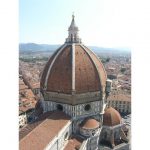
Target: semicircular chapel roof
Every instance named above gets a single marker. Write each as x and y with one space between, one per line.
90 123
111 117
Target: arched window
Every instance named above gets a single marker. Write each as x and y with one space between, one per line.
71 37
75 37
115 135
87 107
93 132
66 136
105 135
59 107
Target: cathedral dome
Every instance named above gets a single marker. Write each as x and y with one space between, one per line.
90 124
73 69
111 117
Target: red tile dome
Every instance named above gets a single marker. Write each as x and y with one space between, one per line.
111 117
73 68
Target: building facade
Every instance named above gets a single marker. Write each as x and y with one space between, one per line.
74 88
22 120
120 102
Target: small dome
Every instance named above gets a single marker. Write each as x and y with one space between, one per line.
111 117
90 124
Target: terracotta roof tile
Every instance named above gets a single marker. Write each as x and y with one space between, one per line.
27 129
86 76
90 124
60 78
22 87
74 143
90 75
45 70
35 85
42 134
119 97
100 66
111 117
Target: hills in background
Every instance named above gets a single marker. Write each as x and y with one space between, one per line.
33 47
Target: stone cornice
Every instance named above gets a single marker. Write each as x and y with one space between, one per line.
72 99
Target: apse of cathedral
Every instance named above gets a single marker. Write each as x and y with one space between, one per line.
73 113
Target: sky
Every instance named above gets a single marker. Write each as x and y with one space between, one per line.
104 23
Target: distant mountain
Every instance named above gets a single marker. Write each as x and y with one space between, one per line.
102 49
37 47
33 47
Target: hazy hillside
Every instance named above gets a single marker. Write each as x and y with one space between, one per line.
37 47
33 47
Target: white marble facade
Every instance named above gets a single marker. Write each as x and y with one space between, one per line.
76 111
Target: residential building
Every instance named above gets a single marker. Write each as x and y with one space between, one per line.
121 102
22 119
